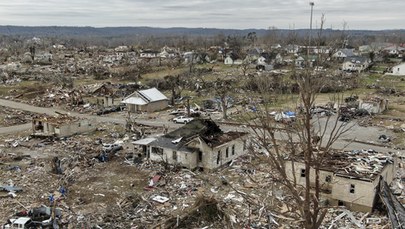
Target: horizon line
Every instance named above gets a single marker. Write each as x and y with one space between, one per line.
182 27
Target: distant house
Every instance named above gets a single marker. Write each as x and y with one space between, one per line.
107 95
343 53
189 57
232 59
167 54
198 144
229 60
60 126
355 64
301 61
122 48
348 179
321 50
397 70
263 64
292 49
254 53
270 58
394 50
148 53
148 100
374 105
112 58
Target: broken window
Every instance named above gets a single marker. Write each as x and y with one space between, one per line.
233 150
328 178
352 188
158 151
200 155
39 126
219 157
227 152
302 172
174 155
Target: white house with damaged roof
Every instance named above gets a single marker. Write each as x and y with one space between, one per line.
198 144
148 100
356 64
349 179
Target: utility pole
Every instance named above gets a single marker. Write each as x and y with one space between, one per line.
310 32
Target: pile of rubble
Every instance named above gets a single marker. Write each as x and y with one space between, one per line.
125 192
11 117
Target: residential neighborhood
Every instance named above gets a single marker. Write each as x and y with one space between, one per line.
163 125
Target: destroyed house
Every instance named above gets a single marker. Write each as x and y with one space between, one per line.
148 100
107 95
60 126
348 179
198 144
374 105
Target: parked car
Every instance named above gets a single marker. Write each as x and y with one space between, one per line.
182 119
112 147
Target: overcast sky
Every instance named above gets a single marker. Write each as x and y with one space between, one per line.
237 14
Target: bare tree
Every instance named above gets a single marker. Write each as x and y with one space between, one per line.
307 140
222 88
175 84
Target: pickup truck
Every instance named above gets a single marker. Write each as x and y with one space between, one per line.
182 119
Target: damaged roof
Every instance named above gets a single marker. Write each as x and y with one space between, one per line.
56 120
206 129
361 164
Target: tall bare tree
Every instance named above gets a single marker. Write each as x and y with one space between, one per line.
308 140
222 87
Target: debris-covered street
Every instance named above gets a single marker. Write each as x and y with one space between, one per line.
193 131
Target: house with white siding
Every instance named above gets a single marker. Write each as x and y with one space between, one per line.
397 70
198 144
355 64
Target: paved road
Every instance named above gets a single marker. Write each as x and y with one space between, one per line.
363 135
52 111
15 129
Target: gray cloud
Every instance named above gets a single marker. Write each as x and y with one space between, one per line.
359 14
